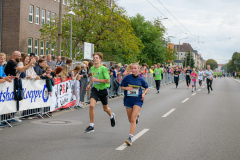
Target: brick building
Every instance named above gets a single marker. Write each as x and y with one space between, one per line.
21 21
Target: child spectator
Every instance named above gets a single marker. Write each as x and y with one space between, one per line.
76 91
49 76
39 69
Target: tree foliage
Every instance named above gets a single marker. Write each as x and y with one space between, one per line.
213 64
152 38
96 22
231 66
187 59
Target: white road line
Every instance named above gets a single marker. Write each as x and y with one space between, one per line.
193 94
165 115
185 100
199 90
124 145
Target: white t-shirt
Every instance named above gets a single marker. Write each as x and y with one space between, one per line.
209 74
200 75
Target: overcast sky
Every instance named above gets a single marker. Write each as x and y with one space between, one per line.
213 26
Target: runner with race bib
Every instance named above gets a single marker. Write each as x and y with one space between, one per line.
187 73
200 76
157 74
101 82
209 75
176 75
194 76
133 98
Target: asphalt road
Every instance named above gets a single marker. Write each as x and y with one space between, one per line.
171 127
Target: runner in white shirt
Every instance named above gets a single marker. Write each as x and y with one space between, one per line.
209 75
200 76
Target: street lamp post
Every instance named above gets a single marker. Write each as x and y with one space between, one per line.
179 49
72 14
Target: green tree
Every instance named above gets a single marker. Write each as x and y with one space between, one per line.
213 64
171 55
231 66
107 27
152 37
187 59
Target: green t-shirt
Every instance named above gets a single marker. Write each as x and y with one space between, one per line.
158 73
100 73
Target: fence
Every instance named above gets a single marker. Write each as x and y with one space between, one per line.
38 102
167 78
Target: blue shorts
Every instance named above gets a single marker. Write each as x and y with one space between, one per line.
129 102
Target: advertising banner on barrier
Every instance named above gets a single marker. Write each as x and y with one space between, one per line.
62 96
35 94
7 103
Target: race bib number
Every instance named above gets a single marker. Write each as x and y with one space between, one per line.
200 77
176 75
133 93
157 73
188 74
96 82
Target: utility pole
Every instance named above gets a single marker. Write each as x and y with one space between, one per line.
60 28
190 58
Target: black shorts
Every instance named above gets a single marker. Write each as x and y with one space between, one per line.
101 95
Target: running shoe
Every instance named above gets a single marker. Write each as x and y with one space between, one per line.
187 87
208 92
211 89
195 89
113 120
137 120
192 90
89 129
129 141
157 91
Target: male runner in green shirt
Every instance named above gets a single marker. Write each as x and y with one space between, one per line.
101 81
157 74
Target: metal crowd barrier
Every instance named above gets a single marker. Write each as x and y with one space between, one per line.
166 79
14 117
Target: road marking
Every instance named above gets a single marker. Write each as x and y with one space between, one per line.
193 94
185 100
165 115
199 90
124 145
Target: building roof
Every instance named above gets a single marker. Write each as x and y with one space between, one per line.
185 47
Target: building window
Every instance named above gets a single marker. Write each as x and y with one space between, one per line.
36 47
68 2
64 2
37 16
42 48
29 45
43 17
53 49
48 17
31 14
47 48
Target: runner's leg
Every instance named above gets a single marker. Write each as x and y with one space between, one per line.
107 109
91 109
133 118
